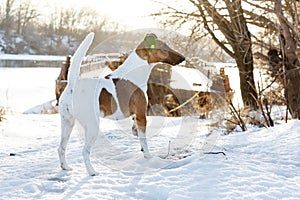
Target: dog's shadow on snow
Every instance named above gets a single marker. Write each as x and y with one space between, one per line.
61 182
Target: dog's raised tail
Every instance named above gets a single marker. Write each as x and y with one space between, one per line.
77 58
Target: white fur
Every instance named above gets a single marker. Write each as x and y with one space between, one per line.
136 70
79 101
66 100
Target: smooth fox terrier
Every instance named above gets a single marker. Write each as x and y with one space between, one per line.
121 94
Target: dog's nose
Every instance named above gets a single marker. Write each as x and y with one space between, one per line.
180 58
174 58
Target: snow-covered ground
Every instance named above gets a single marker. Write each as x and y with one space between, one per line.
259 164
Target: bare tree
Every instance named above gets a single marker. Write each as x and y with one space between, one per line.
7 19
77 22
224 21
281 20
289 40
25 14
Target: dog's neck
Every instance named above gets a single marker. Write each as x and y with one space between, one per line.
135 69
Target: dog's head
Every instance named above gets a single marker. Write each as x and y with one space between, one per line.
154 50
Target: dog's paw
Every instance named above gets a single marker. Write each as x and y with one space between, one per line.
94 173
66 167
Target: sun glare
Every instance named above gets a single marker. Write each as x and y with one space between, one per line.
130 13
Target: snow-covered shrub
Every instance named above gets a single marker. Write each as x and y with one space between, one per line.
243 117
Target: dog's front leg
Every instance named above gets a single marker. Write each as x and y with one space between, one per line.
134 128
141 129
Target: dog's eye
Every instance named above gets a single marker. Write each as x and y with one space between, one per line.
165 48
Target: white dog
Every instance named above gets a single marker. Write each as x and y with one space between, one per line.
121 94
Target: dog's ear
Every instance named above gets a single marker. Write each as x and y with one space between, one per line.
150 41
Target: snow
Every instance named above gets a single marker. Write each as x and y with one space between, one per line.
259 164
32 57
24 88
194 77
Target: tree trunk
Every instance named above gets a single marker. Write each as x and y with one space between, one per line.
293 92
247 84
237 34
244 55
8 14
242 46
291 63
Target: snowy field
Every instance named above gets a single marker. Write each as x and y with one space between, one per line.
259 164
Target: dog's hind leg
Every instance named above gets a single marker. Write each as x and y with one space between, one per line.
91 135
66 129
141 122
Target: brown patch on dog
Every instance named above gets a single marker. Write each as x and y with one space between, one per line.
132 101
107 103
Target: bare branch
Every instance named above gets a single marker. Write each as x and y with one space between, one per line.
261 21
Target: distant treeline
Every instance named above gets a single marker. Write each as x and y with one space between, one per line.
23 31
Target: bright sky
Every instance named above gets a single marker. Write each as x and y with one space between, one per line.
132 13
